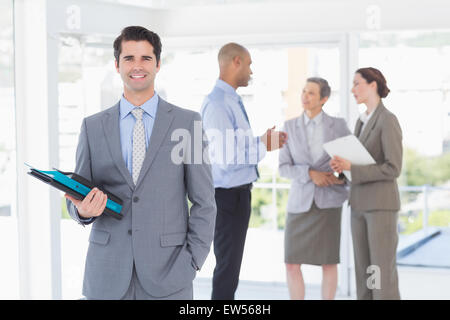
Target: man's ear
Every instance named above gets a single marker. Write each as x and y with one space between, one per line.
237 61
116 63
323 100
158 65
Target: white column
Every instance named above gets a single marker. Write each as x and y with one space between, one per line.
38 207
349 63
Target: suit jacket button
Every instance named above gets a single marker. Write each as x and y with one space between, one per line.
130 232
135 199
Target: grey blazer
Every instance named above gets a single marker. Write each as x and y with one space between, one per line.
166 241
295 161
374 187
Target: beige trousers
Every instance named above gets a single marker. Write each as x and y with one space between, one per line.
375 240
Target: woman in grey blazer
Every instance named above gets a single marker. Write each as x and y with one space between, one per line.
313 224
374 195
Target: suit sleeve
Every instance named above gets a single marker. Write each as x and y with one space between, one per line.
391 140
288 168
82 168
200 191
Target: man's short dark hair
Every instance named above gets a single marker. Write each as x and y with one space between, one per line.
137 33
325 90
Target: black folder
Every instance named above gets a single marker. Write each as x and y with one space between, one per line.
78 187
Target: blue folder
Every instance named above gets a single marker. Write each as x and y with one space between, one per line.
78 187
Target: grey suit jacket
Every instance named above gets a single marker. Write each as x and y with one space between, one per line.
166 241
295 161
374 187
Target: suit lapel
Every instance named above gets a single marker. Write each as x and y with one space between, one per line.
371 123
163 120
328 125
358 127
111 129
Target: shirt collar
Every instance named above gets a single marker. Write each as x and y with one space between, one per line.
364 117
227 88
317 119
150 106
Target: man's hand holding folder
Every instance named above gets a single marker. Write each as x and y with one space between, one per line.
92 205
89 200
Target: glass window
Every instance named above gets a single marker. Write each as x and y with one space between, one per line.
273 96
9 288
414 66
88 83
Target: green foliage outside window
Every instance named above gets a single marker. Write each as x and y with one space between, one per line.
417 170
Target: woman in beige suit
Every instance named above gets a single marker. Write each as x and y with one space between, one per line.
374 195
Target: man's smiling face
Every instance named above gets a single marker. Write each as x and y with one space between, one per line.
137 66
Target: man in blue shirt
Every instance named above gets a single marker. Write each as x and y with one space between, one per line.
235 154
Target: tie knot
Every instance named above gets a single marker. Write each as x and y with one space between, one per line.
137 113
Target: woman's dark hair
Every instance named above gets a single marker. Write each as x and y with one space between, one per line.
372 74
137 33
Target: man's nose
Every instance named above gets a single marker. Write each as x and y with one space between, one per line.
137 68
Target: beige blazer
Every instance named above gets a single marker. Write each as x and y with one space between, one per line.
374 187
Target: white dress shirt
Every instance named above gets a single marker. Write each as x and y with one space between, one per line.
364 117
314 132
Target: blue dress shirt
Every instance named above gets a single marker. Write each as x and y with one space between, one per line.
234 152
126 125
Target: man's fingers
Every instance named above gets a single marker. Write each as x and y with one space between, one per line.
282 137
76 202
103 203
100 204
90 195
67 196
98 200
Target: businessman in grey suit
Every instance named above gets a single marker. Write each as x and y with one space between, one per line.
156 249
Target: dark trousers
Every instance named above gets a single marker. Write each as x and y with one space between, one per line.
233 215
